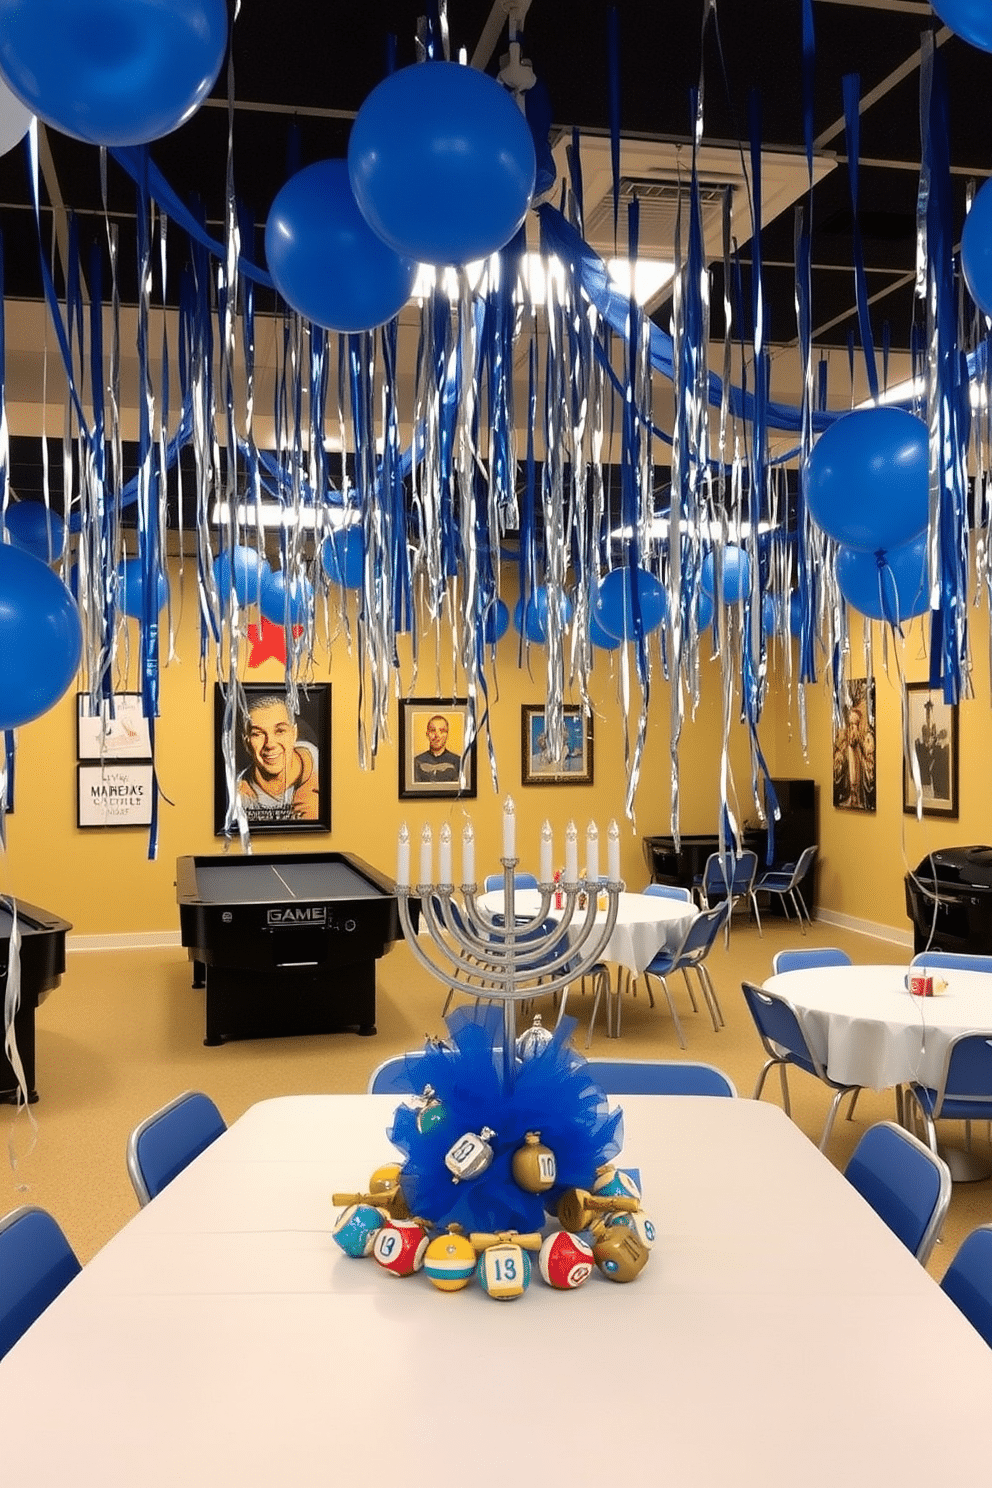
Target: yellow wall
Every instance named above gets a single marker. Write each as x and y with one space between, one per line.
102 881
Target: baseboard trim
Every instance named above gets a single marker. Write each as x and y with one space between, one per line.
866 927
136 940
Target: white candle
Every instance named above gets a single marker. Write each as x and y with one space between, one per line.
403 858
571 853
592 853
468 853
426 855
509 829
444 855
613 852
547 853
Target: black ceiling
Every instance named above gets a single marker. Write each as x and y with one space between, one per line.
310 66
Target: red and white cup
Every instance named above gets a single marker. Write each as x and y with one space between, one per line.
920 984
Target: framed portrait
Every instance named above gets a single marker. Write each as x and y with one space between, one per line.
434 760
854 748
536 765
282 761
114 793
932 735
112 732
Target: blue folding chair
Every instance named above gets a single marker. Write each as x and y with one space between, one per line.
36 1264
783 1039
951 961
785 883
968 1280
660 1077
668 891
167 1141
907 1185
712 884
802 959
520 880
963 1093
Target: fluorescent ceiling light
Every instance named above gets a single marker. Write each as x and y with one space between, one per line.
650 277
274 515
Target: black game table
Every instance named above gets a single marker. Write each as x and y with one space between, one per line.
285 943
42 965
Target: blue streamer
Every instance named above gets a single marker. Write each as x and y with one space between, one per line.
852 120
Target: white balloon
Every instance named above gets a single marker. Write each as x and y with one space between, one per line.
15 118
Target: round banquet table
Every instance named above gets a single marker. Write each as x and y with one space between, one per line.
867 1028
646 923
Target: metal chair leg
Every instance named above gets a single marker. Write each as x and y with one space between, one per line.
712 1001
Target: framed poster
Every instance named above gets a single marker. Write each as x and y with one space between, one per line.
282 760
932 735
114 793
124 735
434 760
854 748
536 765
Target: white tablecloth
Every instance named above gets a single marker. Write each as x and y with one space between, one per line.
868 1029
221 1340
646 923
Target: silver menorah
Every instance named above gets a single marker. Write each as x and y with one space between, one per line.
510 958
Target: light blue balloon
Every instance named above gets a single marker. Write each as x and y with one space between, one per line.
243 567
736 574
274 598
131 589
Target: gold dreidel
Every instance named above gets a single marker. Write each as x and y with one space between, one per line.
577 1208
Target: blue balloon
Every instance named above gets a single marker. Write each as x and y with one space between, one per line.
112 72
704 613
969 19
601 637
533 624
976 249
343 557
131 588
613 603
496 623
32 526
867 480
891 586
325 259
41 639
244 573
442 163
274 598
736 574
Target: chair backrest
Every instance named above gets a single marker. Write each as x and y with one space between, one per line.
804 862
395 1076
743 868
668 891
168 1140
700 937
520 880
951 961
36 1263
779 1027
801 959
967 1072
907 1185
660 1077
968 1280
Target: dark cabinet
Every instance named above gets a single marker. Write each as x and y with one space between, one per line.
797 829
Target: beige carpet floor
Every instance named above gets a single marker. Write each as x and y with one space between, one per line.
124 1033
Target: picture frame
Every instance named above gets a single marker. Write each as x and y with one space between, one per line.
434 763
123 736
282 764
854 772
932 733
576 766
114 793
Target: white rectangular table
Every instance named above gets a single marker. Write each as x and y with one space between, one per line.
221 1340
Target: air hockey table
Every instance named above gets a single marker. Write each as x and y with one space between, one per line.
42 964
286 943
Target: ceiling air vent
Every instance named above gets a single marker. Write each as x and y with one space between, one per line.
659 202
